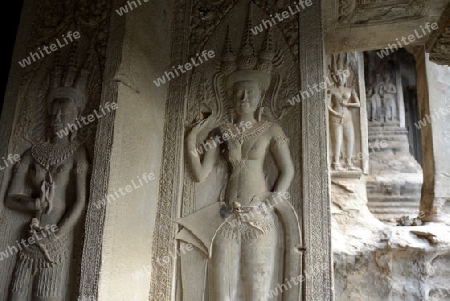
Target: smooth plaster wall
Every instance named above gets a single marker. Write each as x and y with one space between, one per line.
137 149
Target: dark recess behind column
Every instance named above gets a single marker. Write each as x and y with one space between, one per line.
408 72
10 24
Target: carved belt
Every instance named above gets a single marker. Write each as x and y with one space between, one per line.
49 254
239 209
338 120
241 228
248 222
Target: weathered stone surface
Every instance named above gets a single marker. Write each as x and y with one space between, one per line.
352 25
433 88
394 185
379 262
55 167
395 180
439 43
201 27
127 247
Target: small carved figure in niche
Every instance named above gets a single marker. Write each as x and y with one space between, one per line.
388 91
374 101
50 184
340 100
242 240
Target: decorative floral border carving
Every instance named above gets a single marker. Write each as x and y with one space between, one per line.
379 11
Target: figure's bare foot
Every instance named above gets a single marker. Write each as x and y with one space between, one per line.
337 167
351 167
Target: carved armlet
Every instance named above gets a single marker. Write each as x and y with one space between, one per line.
19 187
279 140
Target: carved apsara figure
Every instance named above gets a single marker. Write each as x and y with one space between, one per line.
248 251
50 184
245 230
374 107
340 100
389 91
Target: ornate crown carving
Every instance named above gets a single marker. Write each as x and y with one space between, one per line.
248 65
69 82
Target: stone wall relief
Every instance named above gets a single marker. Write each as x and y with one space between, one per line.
374 107
48 191
50 184
253 237
381 92
388 92
379 11
382 104
343 106
202 26
441 50
439 42
207 15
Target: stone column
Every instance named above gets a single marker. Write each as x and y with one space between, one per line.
433 89
364 132
122 231
316 178
400 99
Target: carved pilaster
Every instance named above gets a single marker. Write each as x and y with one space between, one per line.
161 286
315 174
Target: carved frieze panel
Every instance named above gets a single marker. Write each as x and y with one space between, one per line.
379 11
439 47
207 15
440 54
